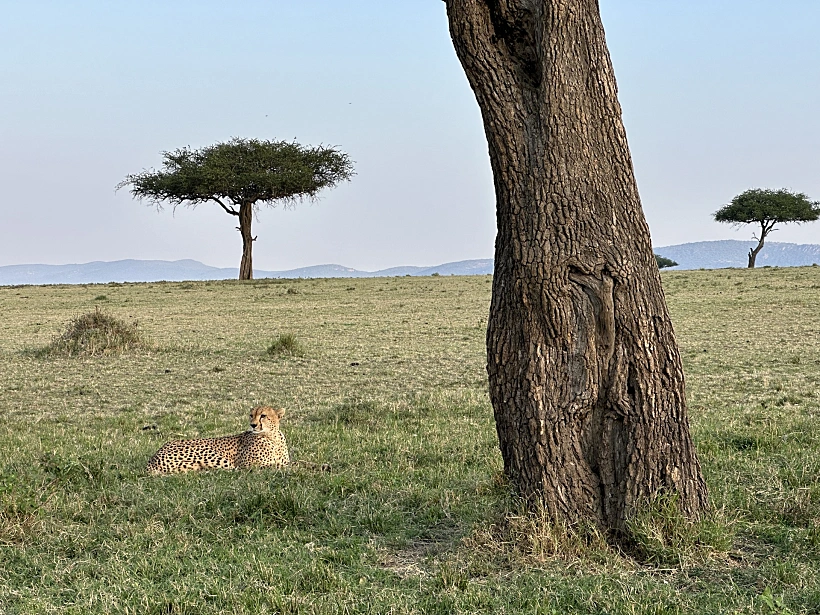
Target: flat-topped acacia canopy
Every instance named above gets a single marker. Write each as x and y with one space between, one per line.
767 208
240 175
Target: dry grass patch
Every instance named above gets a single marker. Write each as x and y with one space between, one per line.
531 537
286 344
95 333
658 534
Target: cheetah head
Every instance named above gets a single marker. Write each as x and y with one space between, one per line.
265 418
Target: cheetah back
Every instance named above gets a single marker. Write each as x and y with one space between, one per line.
199 454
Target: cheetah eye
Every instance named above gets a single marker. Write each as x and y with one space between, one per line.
264 416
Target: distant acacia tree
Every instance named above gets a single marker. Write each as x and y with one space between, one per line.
664 262
767 208
239 176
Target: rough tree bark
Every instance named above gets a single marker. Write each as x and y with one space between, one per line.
585 375
245 221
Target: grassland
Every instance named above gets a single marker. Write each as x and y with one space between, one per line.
388 388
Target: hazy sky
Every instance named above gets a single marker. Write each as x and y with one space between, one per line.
718 97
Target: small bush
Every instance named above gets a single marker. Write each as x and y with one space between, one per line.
95 333
286 344
664 262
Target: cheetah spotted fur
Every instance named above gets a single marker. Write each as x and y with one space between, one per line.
262 445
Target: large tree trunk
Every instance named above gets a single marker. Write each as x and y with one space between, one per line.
765 227
245 221
753 254
585 375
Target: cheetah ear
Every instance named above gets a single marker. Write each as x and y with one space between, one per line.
280 412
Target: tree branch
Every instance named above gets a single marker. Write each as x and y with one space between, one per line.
771 227
230 210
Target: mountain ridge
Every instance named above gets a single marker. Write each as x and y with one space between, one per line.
133 270
693 255
735 253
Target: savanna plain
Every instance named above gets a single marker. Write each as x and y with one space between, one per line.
396 502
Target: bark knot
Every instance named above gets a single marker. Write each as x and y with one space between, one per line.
514 25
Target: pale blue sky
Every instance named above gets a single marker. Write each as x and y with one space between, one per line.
718 97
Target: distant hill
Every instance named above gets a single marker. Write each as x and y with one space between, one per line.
732 253
697 255
101 272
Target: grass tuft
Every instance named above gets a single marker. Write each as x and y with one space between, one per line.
286 344
531 536
95 333
659 534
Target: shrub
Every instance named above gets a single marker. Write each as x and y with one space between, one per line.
95 333
664 262
286 344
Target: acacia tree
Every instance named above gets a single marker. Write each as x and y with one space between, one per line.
585 374
239 176
767 208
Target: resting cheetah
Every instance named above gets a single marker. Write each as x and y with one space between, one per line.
262 445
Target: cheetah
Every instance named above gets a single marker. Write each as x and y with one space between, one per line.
262 445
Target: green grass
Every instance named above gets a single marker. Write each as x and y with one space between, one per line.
414 516
286 344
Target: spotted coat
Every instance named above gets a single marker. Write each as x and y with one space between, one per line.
263 445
